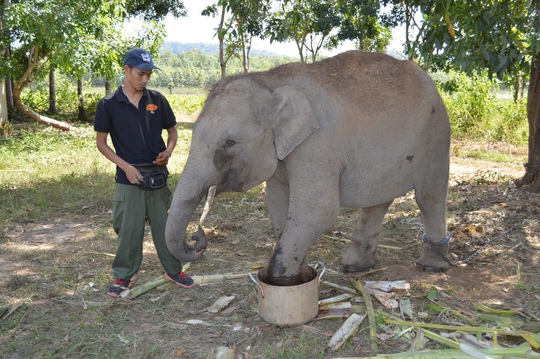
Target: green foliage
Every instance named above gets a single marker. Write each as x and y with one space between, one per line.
308 23
189 104
478 111
360 22
156 9
498 36
469 103
510 124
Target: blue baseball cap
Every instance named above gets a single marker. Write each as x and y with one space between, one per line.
139 59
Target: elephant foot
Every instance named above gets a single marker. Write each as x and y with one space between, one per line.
359 259
352 268
433 259
286 281
306 275
430 269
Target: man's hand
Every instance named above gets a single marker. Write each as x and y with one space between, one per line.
162 159
133 175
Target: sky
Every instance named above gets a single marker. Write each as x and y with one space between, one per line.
197 28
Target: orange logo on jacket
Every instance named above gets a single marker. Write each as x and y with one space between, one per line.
151 107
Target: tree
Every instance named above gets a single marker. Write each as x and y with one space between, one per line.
306 22
240 21
49 32
500 36
75 37
155 9
360 23
247 22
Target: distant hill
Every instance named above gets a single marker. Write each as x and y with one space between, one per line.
205 48
179 48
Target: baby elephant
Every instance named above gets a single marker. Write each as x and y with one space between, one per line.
356 130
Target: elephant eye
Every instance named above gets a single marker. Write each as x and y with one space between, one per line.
229 143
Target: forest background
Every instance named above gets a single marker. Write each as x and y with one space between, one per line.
44 39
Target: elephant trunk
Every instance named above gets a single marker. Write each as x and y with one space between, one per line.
175 231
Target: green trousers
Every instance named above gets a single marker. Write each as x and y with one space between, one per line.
132 207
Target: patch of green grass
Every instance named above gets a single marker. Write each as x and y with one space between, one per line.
49 173
491 156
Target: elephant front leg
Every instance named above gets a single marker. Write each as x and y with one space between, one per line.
306 222
277 199
288 263
362 252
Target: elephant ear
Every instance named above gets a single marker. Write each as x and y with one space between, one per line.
294 121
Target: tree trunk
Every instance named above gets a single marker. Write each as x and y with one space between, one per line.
9 92
3 109
107 87
6 91
221 38
52 93
407 29
9 97
82 112
532 168
517 83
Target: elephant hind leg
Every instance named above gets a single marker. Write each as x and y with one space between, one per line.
362 252
432 204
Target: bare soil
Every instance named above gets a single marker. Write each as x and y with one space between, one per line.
60 270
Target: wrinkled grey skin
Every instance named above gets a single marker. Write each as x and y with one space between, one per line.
356 130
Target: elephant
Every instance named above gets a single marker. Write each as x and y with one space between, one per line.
355 130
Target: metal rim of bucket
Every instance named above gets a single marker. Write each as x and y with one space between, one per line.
256 281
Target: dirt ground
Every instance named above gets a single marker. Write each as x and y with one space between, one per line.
66 263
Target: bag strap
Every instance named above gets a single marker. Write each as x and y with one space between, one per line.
147 124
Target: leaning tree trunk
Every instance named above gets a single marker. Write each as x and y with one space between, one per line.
17 90
532 168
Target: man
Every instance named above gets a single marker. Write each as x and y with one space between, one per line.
135 118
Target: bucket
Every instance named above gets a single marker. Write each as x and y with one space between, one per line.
289 305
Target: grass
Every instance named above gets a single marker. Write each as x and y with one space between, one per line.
56 189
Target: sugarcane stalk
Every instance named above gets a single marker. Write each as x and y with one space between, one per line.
143 288
438 338
345 332
198 279
453 327
341 287
336 299
517 352
211 278
532 338
370 313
